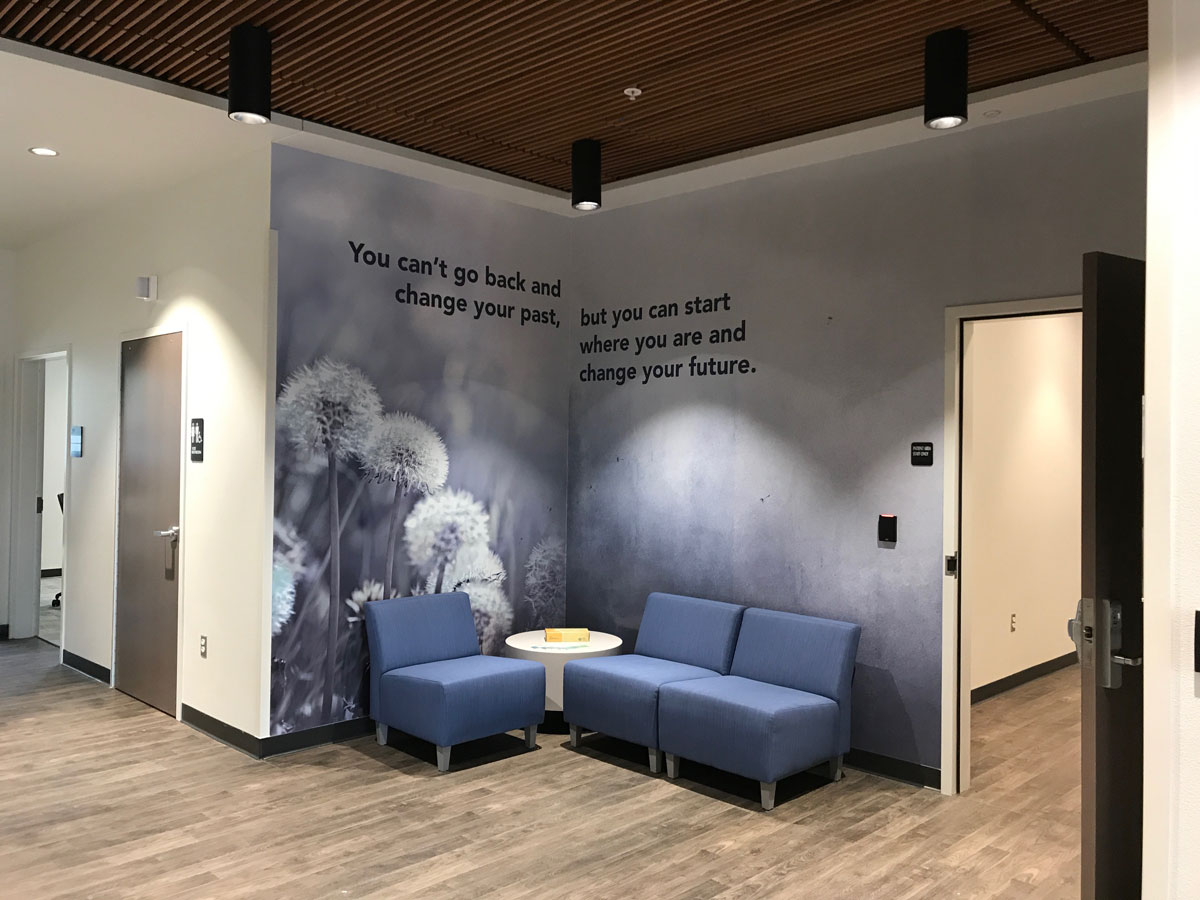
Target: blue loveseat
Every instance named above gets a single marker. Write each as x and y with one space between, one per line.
760 693
428 678
681 638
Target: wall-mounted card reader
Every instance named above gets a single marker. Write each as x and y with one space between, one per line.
887 529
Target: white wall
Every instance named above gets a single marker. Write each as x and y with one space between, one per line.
208 242
54 460
1021 451
1171 865
7 388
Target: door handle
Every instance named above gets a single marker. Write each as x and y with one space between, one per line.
172 533
1096 631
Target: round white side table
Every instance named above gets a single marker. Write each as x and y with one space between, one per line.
533 645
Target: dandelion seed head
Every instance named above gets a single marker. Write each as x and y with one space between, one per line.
329 407
493 613
408 451
441 524
475 563
546 580
283 595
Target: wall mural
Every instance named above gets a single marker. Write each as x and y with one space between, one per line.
820 293
420 428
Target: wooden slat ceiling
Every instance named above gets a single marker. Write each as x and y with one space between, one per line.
509 84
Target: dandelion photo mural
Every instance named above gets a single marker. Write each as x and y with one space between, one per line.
416 451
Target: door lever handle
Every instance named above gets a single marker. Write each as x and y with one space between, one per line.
172 533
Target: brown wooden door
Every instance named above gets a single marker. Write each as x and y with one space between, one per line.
147 621
1113 368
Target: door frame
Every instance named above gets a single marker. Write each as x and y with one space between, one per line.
956 644
182 330
21 362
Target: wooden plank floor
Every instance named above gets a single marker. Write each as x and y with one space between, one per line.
102 797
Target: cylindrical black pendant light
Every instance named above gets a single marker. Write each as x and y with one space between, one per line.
946 79
250 74
585 174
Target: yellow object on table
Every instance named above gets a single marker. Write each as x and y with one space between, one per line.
555 635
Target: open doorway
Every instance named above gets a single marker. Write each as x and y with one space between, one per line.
1012 522
37 586
54 492
1020 526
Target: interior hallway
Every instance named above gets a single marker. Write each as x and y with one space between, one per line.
49 615
106 798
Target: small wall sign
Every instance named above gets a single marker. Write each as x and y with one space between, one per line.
922 453
77 440
197 440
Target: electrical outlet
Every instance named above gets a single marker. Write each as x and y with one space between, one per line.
1012 623
204 646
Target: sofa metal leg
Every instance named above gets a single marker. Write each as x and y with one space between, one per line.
443 756
672 765
530 736
575 731
381 733
766 790
835 768
656 760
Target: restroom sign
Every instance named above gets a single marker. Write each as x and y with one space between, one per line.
197 440
922 453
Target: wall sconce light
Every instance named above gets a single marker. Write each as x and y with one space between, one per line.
585 174
250 74
946 79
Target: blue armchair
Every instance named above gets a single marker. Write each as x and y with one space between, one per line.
680 639
783 708
429 680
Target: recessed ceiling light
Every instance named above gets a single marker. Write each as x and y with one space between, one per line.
43 151
992 113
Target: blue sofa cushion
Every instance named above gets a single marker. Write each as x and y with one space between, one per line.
759 730
408 631
801 652
454 700
618 695
689 630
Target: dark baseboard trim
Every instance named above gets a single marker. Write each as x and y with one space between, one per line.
890 767
51 573
313 737
3 632
87 667
261 748
1025 675
226 734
